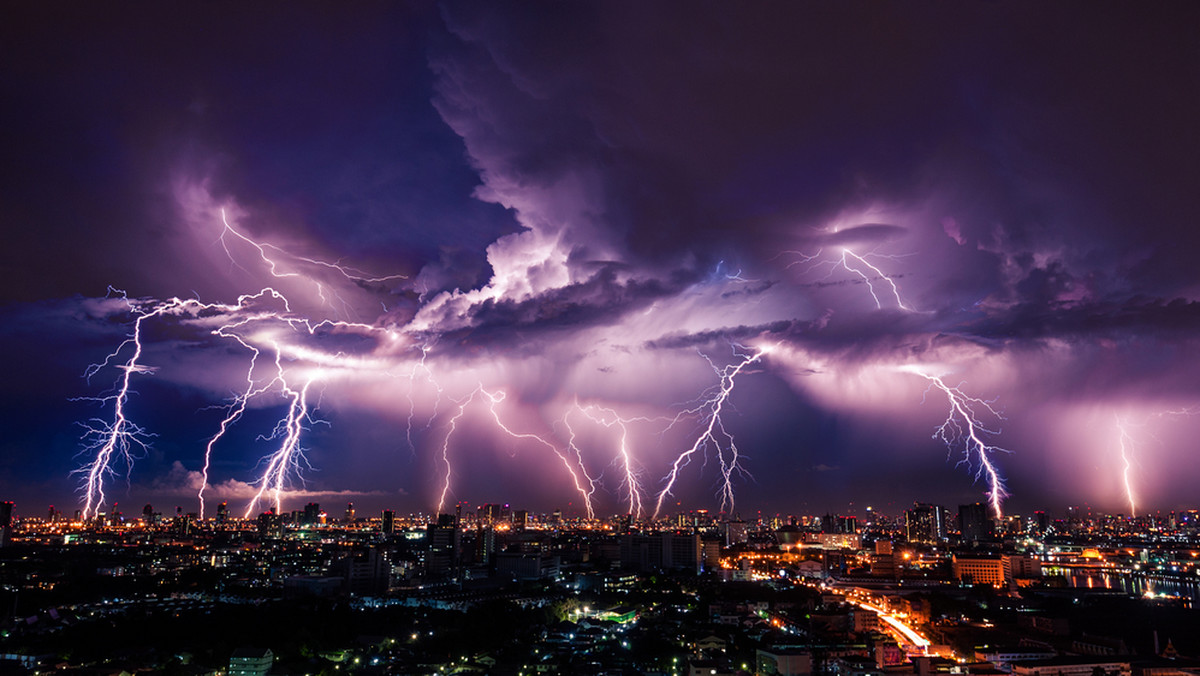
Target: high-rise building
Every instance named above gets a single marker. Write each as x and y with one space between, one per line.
312 514
664 551
349 513
366 572
485 544
736 533
270 525
223 513
925 523
490 514
441 559
520 520
389 522
1043 521
883 562
974 523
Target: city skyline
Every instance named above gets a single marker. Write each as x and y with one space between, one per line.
566 256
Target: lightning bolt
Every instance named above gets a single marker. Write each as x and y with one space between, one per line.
275 268
607 417
1126 446
871 287
419 367
115 440
111 441
118 438
713 433
965 426
860 261
289 456
575 470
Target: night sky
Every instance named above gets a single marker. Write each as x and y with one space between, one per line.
588 223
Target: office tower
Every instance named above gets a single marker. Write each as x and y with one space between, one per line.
441 559
974 523
925 523
312 514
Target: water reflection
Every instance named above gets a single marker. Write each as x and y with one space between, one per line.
1132 584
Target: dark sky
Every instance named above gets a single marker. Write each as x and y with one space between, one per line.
634 255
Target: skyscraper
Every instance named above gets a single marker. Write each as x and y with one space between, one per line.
443 539
312 514
974 523
925 523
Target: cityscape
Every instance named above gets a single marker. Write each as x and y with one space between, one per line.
667 337
495 590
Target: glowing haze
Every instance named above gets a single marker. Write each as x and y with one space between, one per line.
612 258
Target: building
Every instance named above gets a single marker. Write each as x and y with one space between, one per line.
883 561
441 559
1003 656
783 662
1072 666
981 569
312 586
389 522
312 514
925 523
6 510
251 662
366 572
736 533
1024 567
665 551
527 566
270 525
974 523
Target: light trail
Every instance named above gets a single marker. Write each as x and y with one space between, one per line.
895 623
